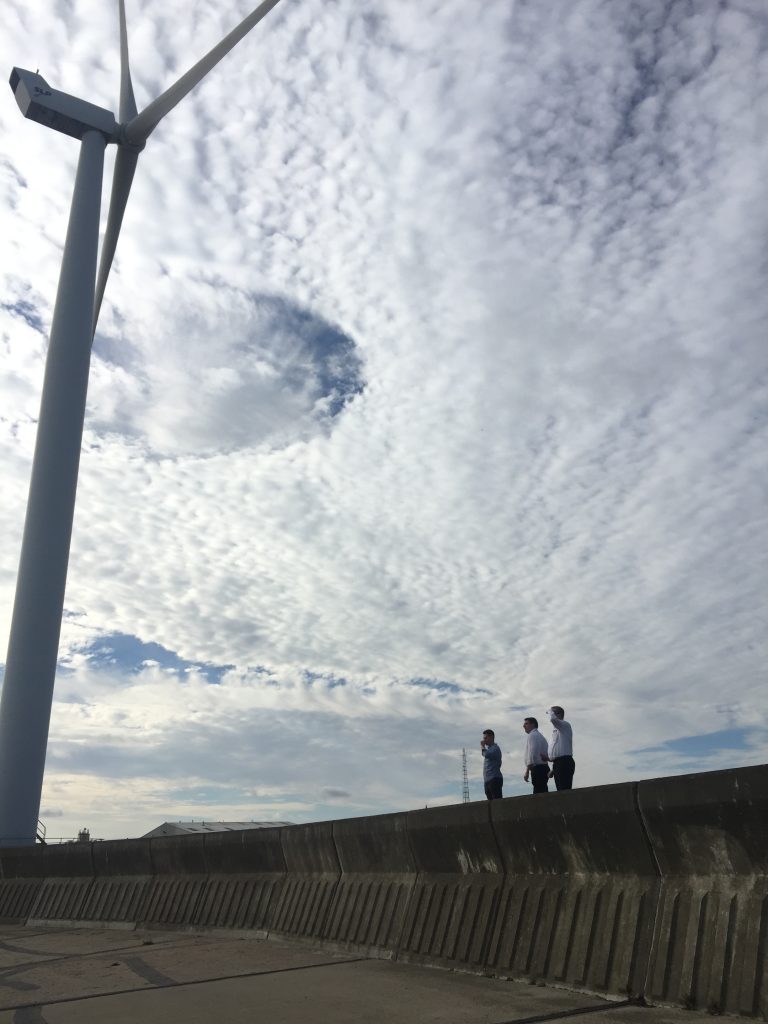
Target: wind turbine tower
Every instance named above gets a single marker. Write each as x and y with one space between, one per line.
30 665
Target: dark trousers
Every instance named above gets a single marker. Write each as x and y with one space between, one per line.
493 788
564 767
539 776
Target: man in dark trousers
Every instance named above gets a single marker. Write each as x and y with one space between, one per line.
561 749
536 757
492 777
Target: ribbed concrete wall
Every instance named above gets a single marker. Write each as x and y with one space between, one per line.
246 875
710 837
312 875
657 888
456 895
67 878
21 877
178 880
378 875
580 890
122 879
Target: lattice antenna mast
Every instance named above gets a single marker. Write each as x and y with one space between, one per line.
464 777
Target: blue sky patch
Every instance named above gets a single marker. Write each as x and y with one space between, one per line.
126 652
701 747
443 687
27 312
330 681
328 356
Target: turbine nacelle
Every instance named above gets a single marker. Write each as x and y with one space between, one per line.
75 117
68 114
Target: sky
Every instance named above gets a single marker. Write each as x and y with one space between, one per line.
430 389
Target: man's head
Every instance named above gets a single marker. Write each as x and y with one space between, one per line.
558 712
489 736
529 724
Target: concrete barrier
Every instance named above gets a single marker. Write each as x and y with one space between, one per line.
460 874
22 871
17 897
178 880
68 873
378 874
579 898
710 836
658 888
312 874
25 861
122 882
246 874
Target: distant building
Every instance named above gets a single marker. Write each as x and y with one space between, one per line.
192 828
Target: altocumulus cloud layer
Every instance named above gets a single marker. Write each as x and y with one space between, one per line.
430 389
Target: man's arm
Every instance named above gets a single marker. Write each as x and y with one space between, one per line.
551 773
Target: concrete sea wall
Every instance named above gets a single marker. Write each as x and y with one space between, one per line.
655 889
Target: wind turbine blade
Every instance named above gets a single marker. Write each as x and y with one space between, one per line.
125 168
138 130
127 109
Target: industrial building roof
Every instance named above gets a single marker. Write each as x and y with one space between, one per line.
190 828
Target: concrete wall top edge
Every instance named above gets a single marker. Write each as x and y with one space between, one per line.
375 845
62 860
712 823
376 822
171 855
251 851
310 849
588 831
455 839
449 815
122 857
707 823
721 777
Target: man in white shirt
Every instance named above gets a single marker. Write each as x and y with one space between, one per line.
536 767
561 749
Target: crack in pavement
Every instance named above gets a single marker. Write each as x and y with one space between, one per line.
175 984
562 1014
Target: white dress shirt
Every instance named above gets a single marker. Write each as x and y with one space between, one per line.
534 748
562 738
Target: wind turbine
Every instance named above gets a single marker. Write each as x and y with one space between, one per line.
30 666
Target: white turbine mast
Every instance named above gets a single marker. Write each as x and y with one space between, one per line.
30 666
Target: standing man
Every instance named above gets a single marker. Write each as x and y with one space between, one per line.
536 757
561 749
492 777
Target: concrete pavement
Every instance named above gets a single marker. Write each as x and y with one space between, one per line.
67 975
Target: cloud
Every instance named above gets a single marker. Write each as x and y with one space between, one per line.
278 374
429 390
